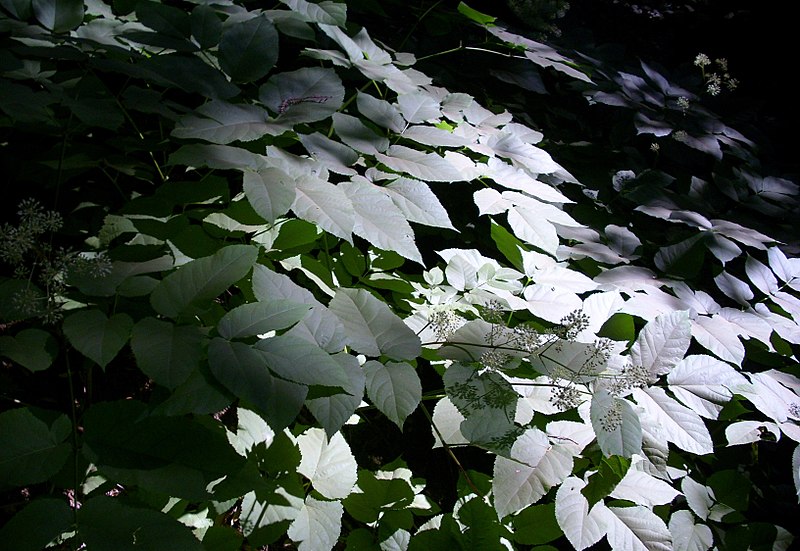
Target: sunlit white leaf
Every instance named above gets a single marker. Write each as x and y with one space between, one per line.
796 471
328 464
505 144
662 343
418 203
673 421
636 528
336 156
447 422
434 136
773 399
582 527
616 425
535 466
381 112
317 525
787 269
549 303
357 135
221 122
489 201
742 234
516 178
378 220
270 192
722 247
761 276
703 383
644 489
746 432
717 335
688 536
324 204
430 167
418 107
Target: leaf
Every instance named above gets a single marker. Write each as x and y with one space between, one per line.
372 328
381 112
357 135
418 203
475 15
378 220
325 205
300 361
688 536
720 337
796 471
429 167
97 337
248 49
622 437
703 383
418 107
270 192
637 528
335 156
217 156
58 15
33 349
32 445
533 228
109 524
251 430
644 489
549 303
190 289
327 13
534 467
746 432
663 342
328 464
673 422
761 276
206 26
511 177
255 318
221 122
734 288
320 325
317 526
582 526
308 94
167 353
34 527
394 388
447 424
243 370
333 411
536 525
610 472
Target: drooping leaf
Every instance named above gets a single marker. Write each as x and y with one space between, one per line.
248 49
429 167
97 337
32 348
394 388
357 135
256 318
372 327
166 353
418 107
243 370
109 524
33 445
34 527
188 290
317 526
718 336
703 383
662 343
644 489
270 192
381 112
418 203
327 463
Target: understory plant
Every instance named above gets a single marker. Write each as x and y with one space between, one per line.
268 283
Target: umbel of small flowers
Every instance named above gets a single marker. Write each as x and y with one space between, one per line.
714 81
27 246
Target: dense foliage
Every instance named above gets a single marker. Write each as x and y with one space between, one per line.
271 279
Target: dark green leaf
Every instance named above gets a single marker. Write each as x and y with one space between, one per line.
33 349
58 15
32 445
243 370
191 288
163 19
166 353
475 15
21 9
200 394
376 496
536 525
108 524
39 523
206 26
611 470
97 337
301 361
256 318
731 488
248 49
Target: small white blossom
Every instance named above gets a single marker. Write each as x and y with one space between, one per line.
702 60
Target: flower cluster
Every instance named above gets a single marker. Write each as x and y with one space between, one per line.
715 81
633 376
612 418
